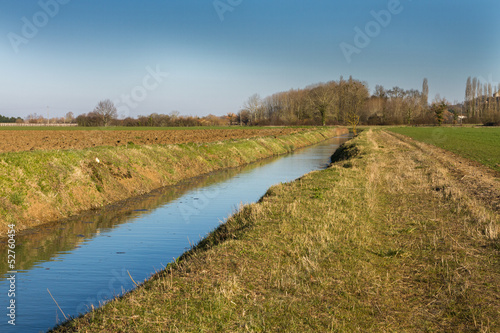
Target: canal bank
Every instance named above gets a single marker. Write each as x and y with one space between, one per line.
93 257
44 186
373 243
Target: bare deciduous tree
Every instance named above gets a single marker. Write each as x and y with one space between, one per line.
253 106
244 117
69 117
106 111
321 99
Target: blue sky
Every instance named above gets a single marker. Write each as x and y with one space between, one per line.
218 53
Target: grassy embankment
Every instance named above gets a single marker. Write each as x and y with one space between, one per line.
42 186
384 241
480 144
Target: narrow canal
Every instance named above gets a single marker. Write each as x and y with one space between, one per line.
87 260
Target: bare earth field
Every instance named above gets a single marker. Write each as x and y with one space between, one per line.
23 140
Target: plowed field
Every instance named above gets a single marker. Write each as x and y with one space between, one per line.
22 140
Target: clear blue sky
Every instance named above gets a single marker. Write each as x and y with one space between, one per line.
83 51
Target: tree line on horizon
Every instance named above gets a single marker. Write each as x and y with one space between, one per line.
106 114
348 102
342 102
9 120
482 101
339 102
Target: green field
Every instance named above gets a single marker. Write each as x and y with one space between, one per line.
478 144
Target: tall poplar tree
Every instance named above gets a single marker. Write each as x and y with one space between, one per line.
468 97
425 93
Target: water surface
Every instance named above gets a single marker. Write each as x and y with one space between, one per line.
87 260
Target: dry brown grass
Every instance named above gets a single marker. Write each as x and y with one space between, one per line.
469 185
383 242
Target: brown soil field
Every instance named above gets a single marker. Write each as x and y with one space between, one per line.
23 140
